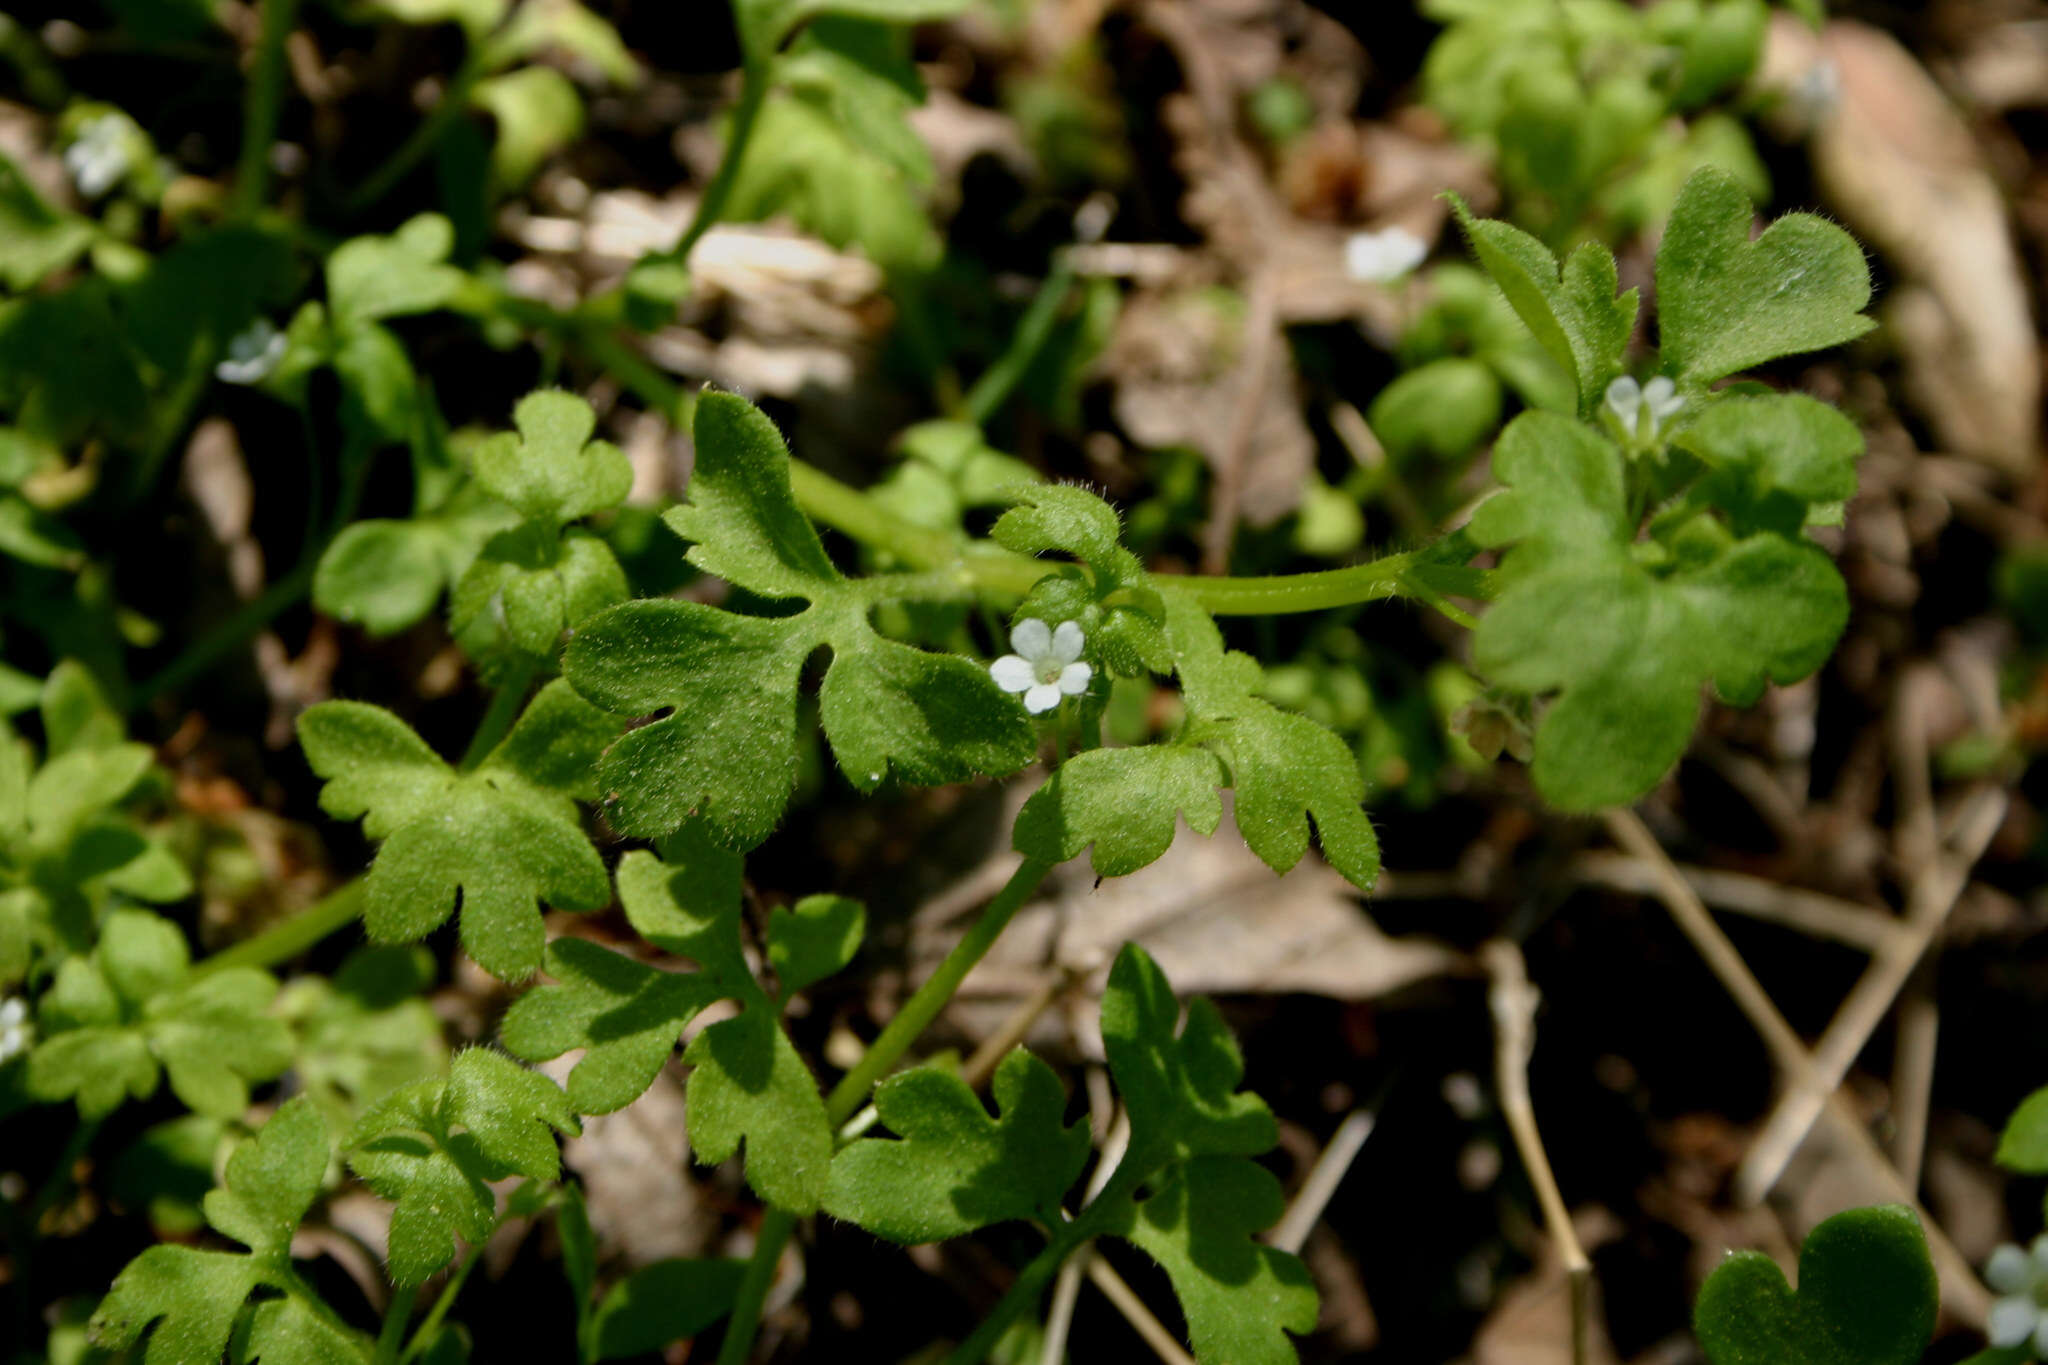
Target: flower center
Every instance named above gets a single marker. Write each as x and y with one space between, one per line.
1049 670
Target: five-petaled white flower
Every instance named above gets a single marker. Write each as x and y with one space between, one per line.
252 354
99 156
1629 400
1046 666
16 1033
1384 256
2021 1313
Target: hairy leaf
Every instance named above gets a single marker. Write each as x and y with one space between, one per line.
113 1023
434 1147
497 840
1725 303
747 1084
194 1297
1124 802
551 470
1867 1296
662 1303
814 939
369 278
953 1168
726 752
1574 313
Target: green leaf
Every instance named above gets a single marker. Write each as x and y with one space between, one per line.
1626 640
859 73
386 576
114 1023
1178 1084
765 24
2024 1145
551 470
1574 313
1061 517
741 515
726 753
496 840
434 1147
193 1297
748 1083
1867 1296
1772 458
538 113
801 161
1438 411
35 239
662 1303
527 587
477 17
66 370
1122 801
1240 1298
1725 303
814 939
953 1168
1191 1130
383 277
366 1032
1285 769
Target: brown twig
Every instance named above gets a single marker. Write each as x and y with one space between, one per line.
1966 1297
1291 1232
1514 1024
1808 912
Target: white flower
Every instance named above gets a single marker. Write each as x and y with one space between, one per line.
252 354
98 157
1046 665
16 1032
1380 257
2021 1313
1629 400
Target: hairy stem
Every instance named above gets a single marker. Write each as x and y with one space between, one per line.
400 163
997 383
504 709
745 114
431 1323
260 109
933 996
776 1227
288 939
396 1315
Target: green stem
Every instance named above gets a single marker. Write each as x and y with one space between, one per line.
745 115
400 163
505 704
284 941
260 109
924 1005
396 1315
776 1227
239 627
1022 1294
431 1323
996 384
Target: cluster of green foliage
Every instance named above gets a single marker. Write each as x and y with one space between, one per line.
1639 552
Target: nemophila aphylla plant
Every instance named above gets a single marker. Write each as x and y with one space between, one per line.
1649 544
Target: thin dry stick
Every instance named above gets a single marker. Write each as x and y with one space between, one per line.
1864 1008
1059 1319
1809 912
1913 1073
1127 1302
1966 1297
1514 1026
990 1053
1328 1173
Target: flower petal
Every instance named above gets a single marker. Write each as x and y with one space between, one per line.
1042 698
1624 397
1074 679
2011 1322
1031 637
1013 674
1066 642
2009 1271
